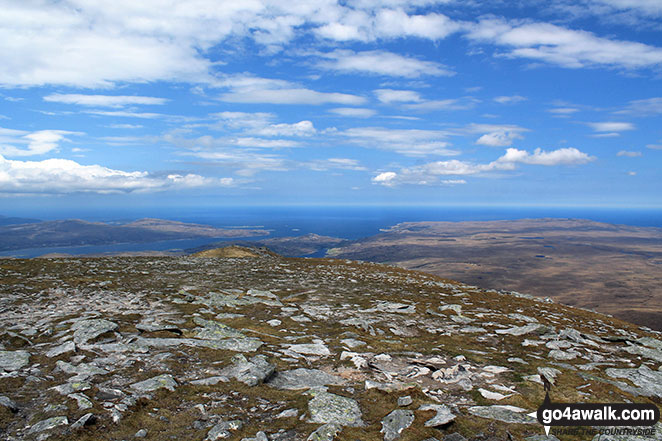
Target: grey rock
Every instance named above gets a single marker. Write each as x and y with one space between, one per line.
352 343
549 374
506 414
140 434
210 381
316 348
326 407
222 430
395 422
13 360
49 424
650 342
327 432
648 381
405 401
541 438
157 327
558 354
8 403
245 344
303 378
522 330
212 330
86 330
163 381
443 416
69 346
82 400
653 354
82 371
252 372
288 413
454 437
86 420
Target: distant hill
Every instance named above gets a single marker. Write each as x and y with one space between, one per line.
614 269
76 232
6 220
296 246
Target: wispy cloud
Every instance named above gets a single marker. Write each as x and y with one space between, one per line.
495 135
380 63
409 142
511 99
22 143
628 153
103 100
432 173
354 112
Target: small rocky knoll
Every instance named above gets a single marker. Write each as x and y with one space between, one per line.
266 348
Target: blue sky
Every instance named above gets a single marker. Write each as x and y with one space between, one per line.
212 103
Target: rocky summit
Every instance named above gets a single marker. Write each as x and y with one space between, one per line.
271 348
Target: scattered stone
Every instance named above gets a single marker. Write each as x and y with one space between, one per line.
82 400
211 381
252 372
86 330
549 374
274 322
327 432
454 437
542 438
212 330
521 330
142 433
13 360
506 414
352 343
222 430
326 407
163 381
653 354
648 381
316 348
288 413
49 424
405 401
86 420
8 403
395 422
443 416
82 372
557 354
303 378
492 395
64 348
260 436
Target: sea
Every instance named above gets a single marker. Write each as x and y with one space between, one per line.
348 222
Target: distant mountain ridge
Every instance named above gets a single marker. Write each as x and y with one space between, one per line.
76 232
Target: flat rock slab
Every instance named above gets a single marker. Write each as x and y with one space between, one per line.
330 408
522 330
303 378
327 432
8 403
507 414
50 423
222 430
443 416
86 330
395 422
164 381
251 372
648 381
13 360
69 346
212 330
317 348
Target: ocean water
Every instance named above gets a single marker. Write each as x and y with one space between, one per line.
346 222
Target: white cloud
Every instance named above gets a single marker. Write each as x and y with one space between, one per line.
646 7
496 135
611 126
649 106
244 120
333 163
654 146
58 176
250 89
432 173
410 142
302 128
561 46
125 126
262 143
31 143
380 63
128 114
628 153
563 112
103 100
353 112
389 96
447 104
512 99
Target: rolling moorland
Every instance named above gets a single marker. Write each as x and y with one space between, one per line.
247 345
614 269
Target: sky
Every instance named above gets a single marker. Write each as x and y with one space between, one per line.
213 103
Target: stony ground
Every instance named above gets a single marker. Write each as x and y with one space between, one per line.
268 348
